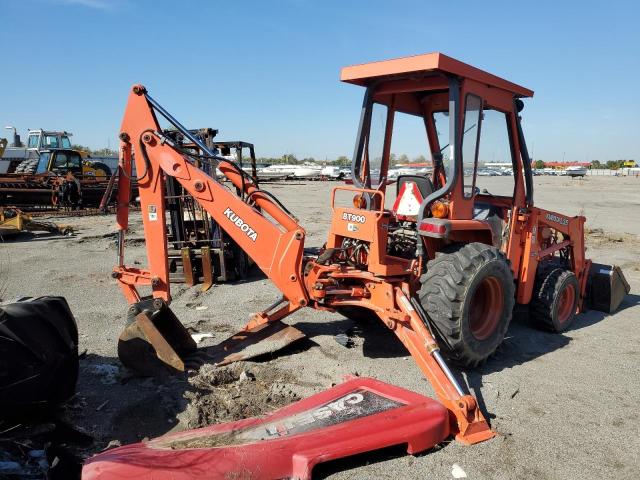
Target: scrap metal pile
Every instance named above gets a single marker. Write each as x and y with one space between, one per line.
62 189
48 174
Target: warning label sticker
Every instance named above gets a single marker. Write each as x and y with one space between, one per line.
356 404
153 213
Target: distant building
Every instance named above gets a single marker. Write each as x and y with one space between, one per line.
498 165
564 165
412 164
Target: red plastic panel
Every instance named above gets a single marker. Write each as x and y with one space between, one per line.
357 416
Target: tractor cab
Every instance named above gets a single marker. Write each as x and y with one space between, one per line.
43 139
60 161
468 231
464 120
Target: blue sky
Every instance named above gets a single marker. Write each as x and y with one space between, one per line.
267 71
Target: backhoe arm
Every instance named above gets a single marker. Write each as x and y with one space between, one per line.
275 244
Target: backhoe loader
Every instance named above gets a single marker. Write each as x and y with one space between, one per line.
443 268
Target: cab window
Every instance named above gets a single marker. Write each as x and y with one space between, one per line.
375 142
470 136
43 162
495 175
61 161
441 122
33 141
74 162
51 141
409 143
66 143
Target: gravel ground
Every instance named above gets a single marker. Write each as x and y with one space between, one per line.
560 402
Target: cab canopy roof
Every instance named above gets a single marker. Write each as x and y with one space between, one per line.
428 63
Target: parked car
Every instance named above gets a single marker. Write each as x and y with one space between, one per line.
486 172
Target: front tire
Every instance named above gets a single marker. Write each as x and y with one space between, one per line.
468 293
555 298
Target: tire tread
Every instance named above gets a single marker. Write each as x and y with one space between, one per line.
445 286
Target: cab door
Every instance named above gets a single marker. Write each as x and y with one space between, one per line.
74 164
43 162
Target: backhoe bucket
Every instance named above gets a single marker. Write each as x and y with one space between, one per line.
154 341
606 287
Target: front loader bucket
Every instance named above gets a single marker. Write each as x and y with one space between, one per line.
154 341
606 287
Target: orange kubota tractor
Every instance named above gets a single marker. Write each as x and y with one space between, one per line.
443 269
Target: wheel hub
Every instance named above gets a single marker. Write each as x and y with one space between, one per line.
565 304
486 307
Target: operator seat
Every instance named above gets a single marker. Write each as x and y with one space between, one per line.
411 190
424 184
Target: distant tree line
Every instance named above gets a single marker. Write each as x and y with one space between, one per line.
103 152
596 164
612 164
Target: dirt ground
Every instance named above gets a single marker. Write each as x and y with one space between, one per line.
562 404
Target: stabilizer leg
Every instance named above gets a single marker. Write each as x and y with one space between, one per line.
467 420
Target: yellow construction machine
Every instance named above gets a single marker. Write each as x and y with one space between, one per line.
14 221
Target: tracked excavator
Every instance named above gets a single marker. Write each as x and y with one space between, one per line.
443 268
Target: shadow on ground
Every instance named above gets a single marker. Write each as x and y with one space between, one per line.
125 408
325 470
524 342
377 340
109 408
29 237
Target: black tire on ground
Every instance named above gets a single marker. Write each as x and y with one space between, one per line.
555 298
38 355
102 166
468 294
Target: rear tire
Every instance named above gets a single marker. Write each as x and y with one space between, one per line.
555 298
101 166
468 294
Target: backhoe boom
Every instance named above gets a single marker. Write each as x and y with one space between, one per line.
275 246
